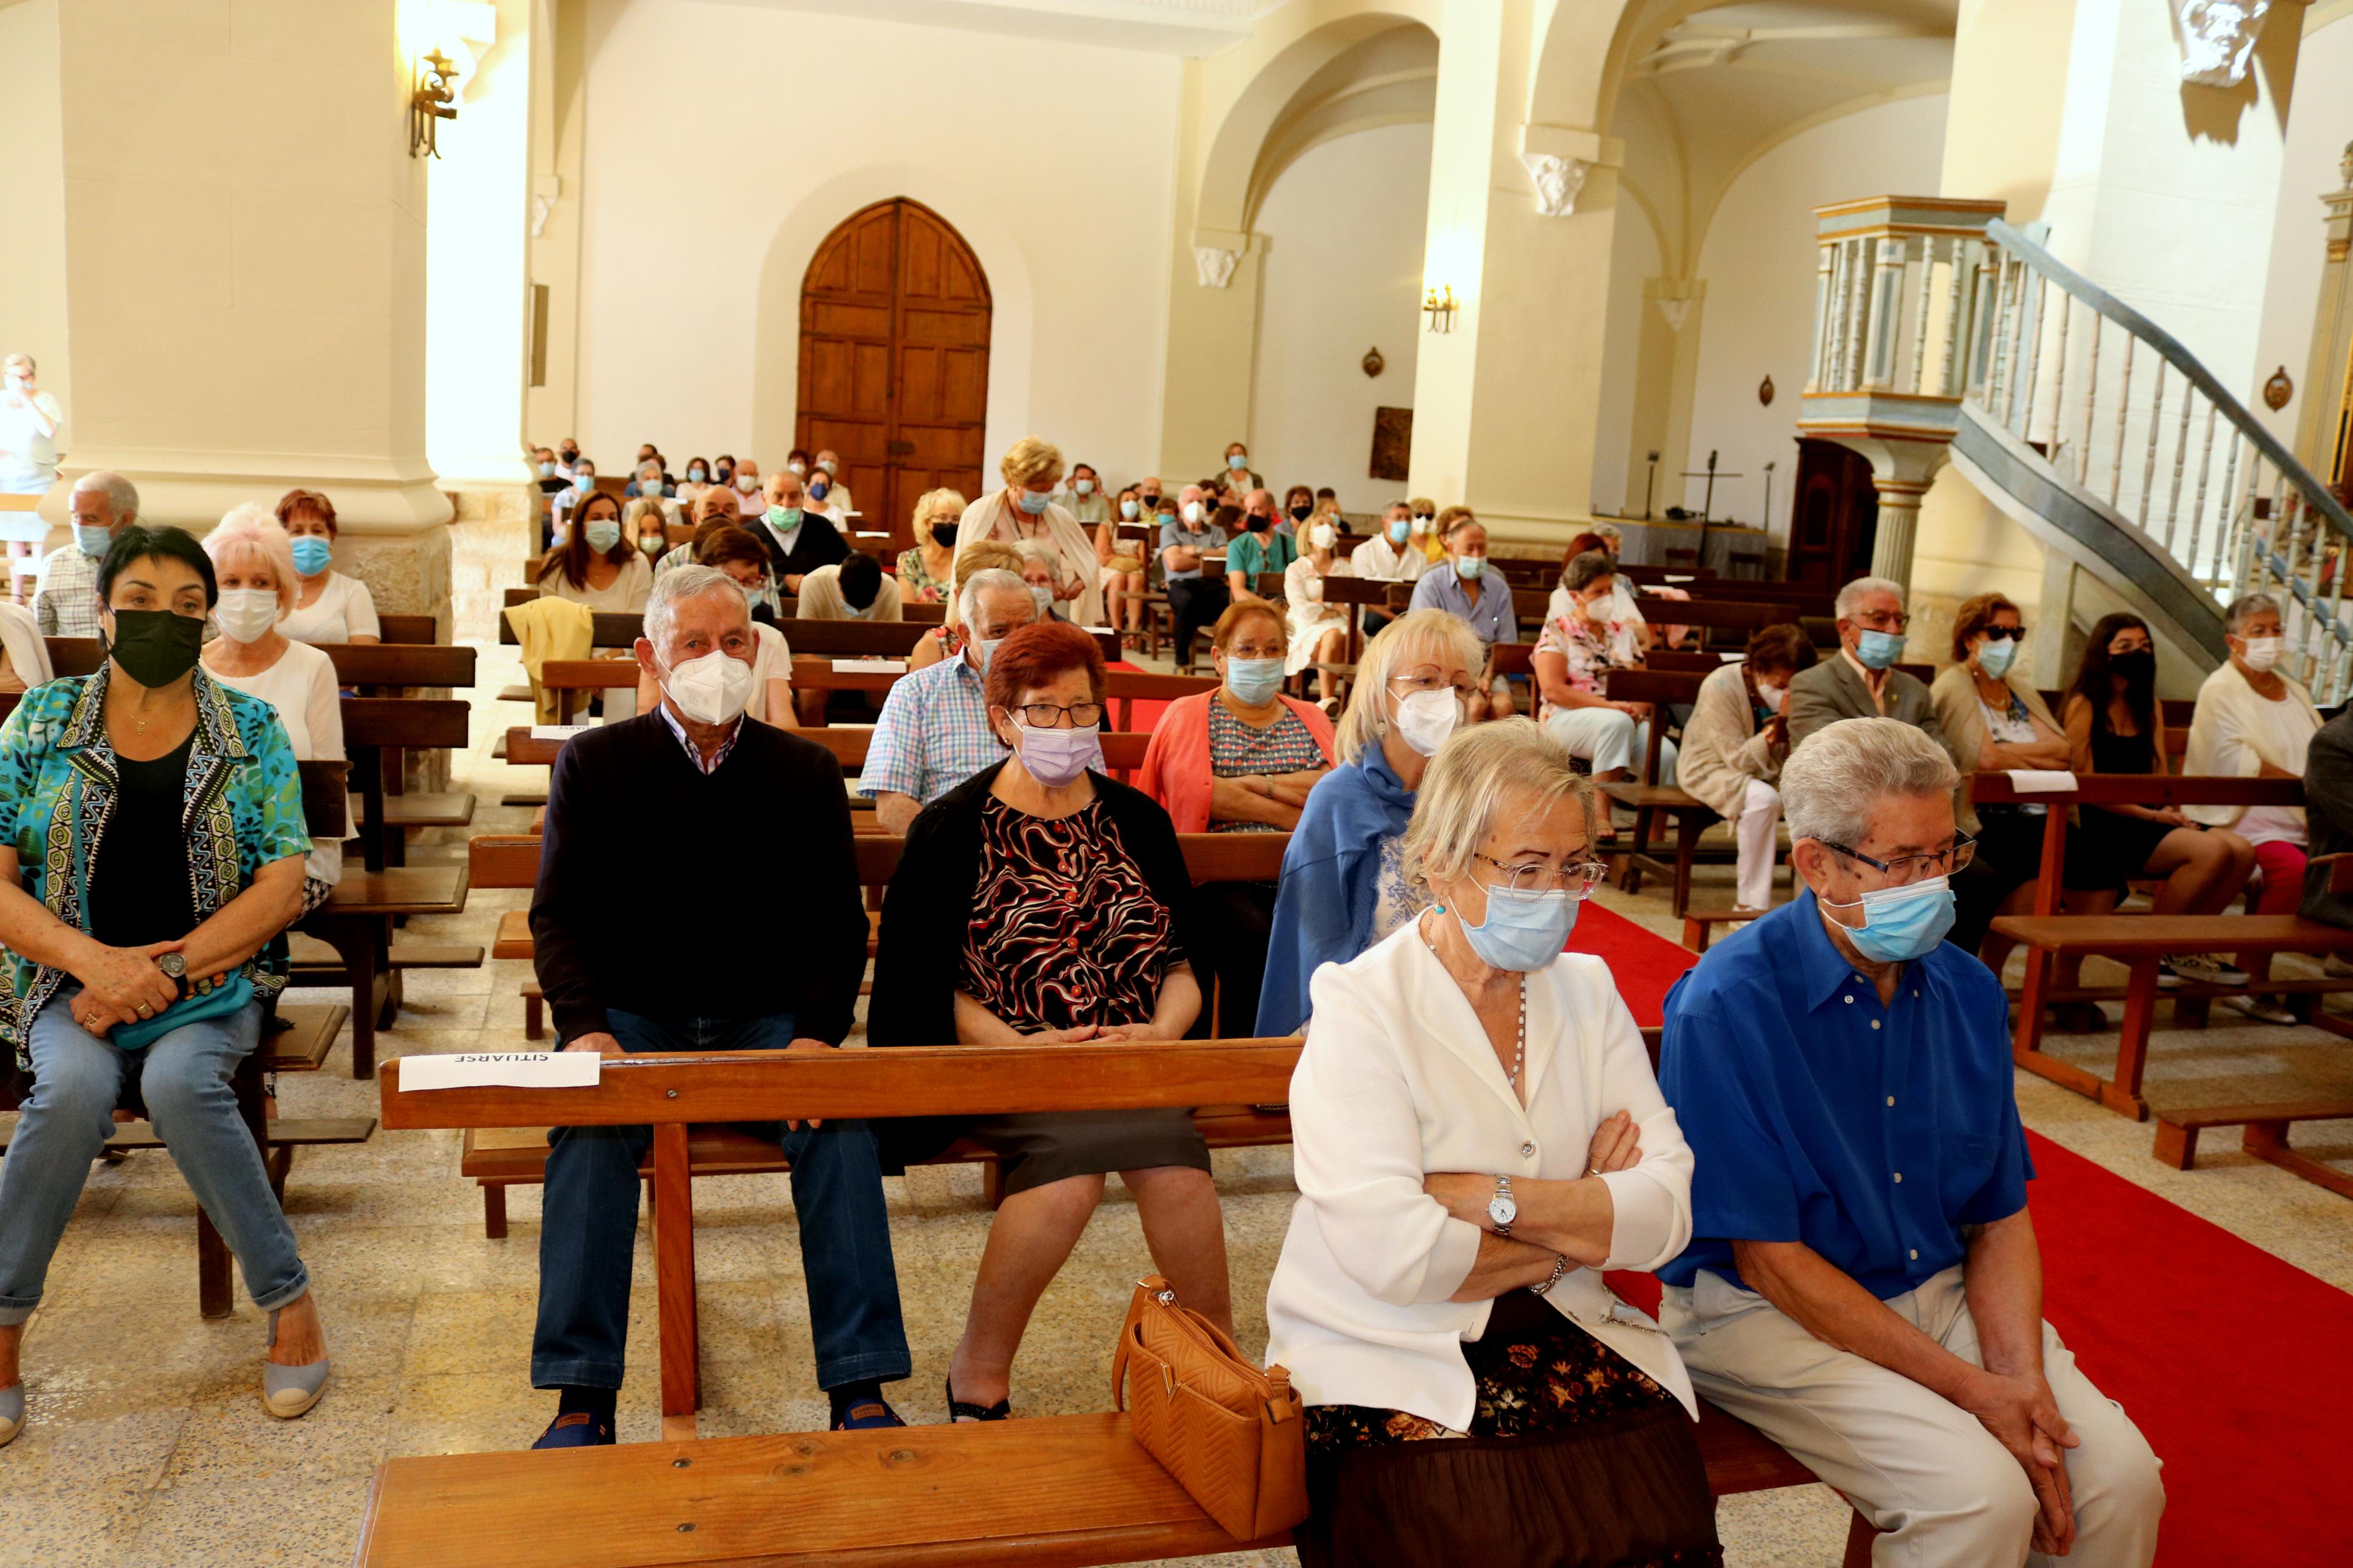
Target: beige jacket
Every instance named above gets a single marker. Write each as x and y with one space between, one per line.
2227 736
1723 749
1962 717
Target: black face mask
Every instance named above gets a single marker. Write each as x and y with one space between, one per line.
1255 523
1299 513
2138 669
1151 503
155 647
943 535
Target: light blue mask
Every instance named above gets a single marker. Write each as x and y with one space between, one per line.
1877 650
1237 462
1253 682
1471 567
1994 657
92 541
312 554
985 649
1900 924
1523 932
1400 530
1033 504
603 536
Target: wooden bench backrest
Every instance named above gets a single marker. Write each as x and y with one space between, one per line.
407 722
588 674
1808 601
1689 577
75 656
1993 788
401 664
612 629
1340 590
407 630
1652 686
326 811
1714 613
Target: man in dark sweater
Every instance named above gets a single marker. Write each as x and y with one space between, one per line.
799 543
641 946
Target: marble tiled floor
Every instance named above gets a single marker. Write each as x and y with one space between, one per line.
148 1446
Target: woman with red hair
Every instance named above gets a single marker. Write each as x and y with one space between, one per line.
1041 902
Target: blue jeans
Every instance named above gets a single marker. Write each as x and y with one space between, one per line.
184 1078
588 1228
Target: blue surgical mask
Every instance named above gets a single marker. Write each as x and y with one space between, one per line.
784 519
1900 924
1237 462
1994 657
92 541
1253 682
694 476
312 554
602 534
547 470
1877 650
1033 504
1471 567
984 650
1127 512
1400 530
1523 930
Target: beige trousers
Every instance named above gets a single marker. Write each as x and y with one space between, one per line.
1946 1494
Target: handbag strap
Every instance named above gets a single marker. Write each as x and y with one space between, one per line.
1148 1292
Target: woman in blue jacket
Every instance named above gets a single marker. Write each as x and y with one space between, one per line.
1342 887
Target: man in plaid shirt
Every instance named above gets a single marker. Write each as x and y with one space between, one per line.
933 732
65 602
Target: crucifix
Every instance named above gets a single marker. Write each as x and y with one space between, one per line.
1708 502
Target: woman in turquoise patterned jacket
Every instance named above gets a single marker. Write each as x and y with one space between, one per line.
151 860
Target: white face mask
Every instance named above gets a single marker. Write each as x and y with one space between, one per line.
747 483
713 689
1193 513
1084 487
2262 653
245 615
1426 717
1322 536
1776 698
798 469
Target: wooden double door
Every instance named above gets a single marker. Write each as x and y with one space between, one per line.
894 360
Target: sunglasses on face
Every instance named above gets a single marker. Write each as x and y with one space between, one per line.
2001 634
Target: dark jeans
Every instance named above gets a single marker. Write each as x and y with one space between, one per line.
1236 920
587 1235
1195 603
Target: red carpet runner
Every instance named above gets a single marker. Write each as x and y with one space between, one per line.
2237 1366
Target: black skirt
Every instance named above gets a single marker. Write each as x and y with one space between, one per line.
1575 1459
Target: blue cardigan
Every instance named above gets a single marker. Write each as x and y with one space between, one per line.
1331 873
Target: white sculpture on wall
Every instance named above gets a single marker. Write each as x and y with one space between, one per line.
2217 37
1558 181
1213 267
1676 312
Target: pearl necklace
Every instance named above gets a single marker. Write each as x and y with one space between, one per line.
1520 1047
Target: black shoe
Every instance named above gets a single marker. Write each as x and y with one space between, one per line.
958 1410
578 1430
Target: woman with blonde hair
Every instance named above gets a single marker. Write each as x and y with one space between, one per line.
926 567
1025 509
253 563
1343 885
1477 1134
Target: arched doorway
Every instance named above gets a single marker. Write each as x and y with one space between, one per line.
894 359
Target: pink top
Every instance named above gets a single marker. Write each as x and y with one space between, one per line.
1177 770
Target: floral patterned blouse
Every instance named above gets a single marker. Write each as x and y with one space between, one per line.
915 580
1592 652
58 785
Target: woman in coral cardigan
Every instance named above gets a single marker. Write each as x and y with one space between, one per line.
1239 760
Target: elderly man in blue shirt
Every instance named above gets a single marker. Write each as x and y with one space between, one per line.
1481 597
1863 1285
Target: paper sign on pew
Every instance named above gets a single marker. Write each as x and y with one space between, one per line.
870 667
505 1069
1673 578
558 731
2041 781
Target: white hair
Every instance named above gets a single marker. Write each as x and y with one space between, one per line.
1853 596
1428 633
2245 608
1469 781
996 580
121 495
685 583
1833 785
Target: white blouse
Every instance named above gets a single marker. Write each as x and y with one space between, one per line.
302 687
625 595
1397 1081
344 607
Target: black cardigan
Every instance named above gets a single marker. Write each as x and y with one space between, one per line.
819 543
928 909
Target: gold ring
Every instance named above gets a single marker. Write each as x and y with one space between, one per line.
145 1011
1592 1170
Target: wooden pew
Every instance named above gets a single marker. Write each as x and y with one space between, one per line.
2138 941
1715 614
409 630
75 656
377 732
1688 577
1057 1490
1649 802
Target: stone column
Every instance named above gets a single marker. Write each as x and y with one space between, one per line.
1899 520
245 272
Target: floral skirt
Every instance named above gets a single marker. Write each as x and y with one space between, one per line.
1575 1459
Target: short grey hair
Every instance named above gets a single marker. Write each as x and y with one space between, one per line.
1851 597
121 495
1474 774
1586 570
996 580
1833 785
650 468
685 583
1417 634
2245 608
1611 531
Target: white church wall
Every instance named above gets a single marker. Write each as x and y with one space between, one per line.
725 142
1618 471
1342 274
33 195
1759 262
2319 127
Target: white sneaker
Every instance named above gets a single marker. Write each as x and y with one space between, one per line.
2263 1009
2201 969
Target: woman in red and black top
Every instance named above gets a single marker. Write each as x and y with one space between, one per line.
1040 901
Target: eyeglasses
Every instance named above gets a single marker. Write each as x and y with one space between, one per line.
1434 682
1880 620
1999 634
1914 868
1047 715
1579 878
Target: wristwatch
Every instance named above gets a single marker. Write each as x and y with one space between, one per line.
1501 1208
174 967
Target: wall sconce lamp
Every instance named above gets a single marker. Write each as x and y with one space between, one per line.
432 99
1438 306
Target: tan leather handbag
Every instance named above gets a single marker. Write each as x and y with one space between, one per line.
1234 1437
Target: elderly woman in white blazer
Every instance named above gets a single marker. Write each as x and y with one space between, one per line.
1477 1134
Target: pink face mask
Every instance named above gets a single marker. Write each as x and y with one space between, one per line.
1057 757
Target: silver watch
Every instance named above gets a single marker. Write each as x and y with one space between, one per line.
1501 1208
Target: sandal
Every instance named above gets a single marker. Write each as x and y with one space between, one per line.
960 1410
